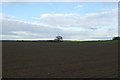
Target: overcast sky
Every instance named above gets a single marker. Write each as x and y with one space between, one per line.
72 20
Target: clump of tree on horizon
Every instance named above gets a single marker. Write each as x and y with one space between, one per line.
58 38
116 38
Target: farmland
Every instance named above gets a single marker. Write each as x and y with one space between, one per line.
60 59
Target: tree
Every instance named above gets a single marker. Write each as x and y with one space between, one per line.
116 38
58 38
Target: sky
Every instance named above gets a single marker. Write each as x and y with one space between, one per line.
59 0
71 20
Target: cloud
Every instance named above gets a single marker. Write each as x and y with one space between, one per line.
59 19
79 6
93 26
18 29
103 24
108 18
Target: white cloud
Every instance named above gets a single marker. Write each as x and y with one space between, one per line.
93 26
79 6
108 18
104 24
59 19
2 16
17 29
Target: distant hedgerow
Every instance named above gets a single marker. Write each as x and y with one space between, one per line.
116 38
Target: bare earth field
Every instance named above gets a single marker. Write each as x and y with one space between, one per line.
60 59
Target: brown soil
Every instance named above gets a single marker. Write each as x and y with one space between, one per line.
59 60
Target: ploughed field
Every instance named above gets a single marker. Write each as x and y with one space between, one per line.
60 59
